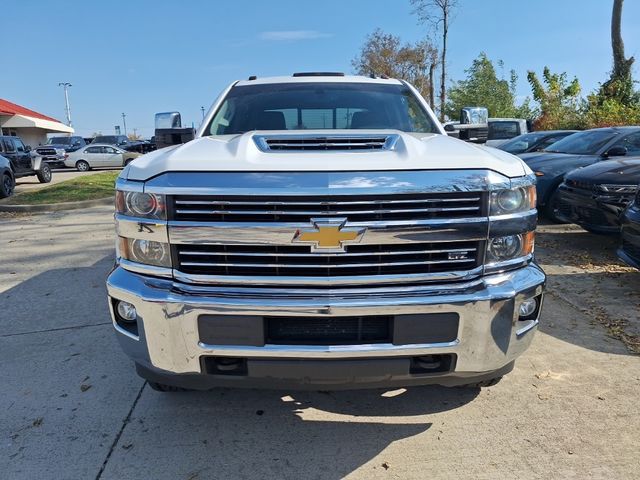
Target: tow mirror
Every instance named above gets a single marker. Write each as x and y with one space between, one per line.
473 126
615 152
169 130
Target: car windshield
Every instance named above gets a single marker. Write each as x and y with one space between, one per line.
522 143
582 143
326 106
500 130
59 141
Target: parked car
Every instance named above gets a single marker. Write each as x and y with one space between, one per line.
534 141
577 150
7 181
594 197
117 140
503 129
56 148
97 156
629 251
21 160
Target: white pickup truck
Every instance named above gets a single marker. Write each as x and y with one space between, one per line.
322 231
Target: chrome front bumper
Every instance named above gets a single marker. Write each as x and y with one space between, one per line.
490 334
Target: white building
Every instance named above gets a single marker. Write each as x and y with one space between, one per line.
32 127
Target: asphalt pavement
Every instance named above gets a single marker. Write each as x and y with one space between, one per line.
73 408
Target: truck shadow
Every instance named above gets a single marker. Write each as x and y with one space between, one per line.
269 434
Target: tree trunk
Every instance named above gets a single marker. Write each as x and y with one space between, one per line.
621 65
443 76
432 99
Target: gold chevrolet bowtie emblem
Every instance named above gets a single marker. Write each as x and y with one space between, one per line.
328 234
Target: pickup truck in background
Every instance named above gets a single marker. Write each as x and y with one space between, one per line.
503 129
56 149
323 231
22 163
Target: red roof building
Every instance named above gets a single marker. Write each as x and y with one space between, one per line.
32 127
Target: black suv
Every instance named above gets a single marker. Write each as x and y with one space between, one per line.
117 140
20 159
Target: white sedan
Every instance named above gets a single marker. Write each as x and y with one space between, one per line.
98 156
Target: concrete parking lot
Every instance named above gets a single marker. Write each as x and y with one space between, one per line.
73 408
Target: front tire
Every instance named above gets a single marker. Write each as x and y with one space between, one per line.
161 387
44 174
82 166
552 207
484 383
7 185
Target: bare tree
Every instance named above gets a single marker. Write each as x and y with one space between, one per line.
436 14
384 54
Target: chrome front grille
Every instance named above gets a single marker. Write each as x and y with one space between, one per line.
46 152
300 261
358 209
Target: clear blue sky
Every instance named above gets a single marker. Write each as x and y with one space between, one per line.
142 57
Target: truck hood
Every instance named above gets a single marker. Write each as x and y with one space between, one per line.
240 153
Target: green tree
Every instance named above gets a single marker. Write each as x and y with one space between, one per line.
483 88
559 99
385 54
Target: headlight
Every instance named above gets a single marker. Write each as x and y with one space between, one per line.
501 249
521 199
147 252
139 204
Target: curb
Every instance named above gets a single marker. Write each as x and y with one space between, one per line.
55 207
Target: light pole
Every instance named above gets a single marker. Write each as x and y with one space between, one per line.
66 86
124 124
202 108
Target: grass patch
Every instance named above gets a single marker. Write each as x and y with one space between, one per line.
87 187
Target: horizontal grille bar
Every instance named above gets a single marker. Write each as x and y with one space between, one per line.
329 330
299 260
265 209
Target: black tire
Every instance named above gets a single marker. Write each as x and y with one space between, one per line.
551 208
484 383
7 185
83 166
44 174
161 387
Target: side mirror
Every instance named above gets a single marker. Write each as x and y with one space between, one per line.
27 148
615 152
449 127
474 124
169 130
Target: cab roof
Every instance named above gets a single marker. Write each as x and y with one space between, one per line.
318 78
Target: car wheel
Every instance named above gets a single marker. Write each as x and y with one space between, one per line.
44 174
82 166
552 206
7 185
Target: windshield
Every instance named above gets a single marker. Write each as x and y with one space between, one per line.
522 143
502 130
326 106
583 143
59 141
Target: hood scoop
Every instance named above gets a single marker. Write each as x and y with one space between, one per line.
346 142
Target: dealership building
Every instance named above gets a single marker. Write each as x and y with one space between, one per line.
32 127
